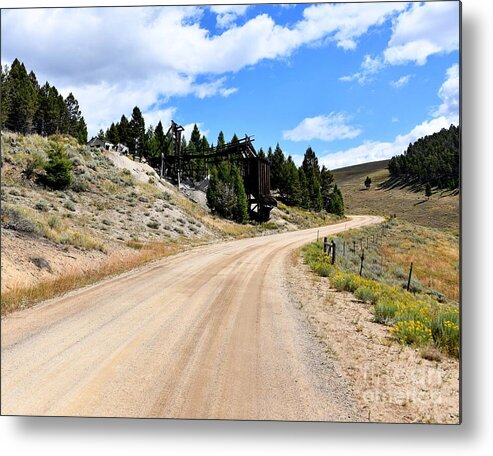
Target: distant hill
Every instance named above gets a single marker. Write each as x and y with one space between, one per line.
433 159
441 211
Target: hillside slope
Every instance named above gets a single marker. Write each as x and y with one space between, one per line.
116 215
440 211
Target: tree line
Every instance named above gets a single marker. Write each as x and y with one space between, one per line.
28 107
433 159
307 186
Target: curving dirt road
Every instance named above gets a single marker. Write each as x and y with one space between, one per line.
210 333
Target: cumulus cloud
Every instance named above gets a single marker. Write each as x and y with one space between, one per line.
445 115
369 66
401 82
423 30
324 127
227 14
449 94
114 58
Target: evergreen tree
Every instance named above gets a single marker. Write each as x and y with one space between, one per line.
124 131
58 169
22 99
240 211
290 183
336 202
326 181
261 154
305 201
368 182
5 95
428 191
312 173
276 167
112 134
137 132
101 135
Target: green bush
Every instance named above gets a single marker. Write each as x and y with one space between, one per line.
364 293
59 169
385 311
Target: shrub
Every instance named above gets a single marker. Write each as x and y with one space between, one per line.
58 169
411 332
153 224
15 220
80 184
385 312
365 293
445 330
69 205
54 222
42 206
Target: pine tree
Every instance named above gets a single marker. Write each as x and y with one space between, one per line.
276 167
368 182
5 95
326 181
261 154
112 134
137 132
428 191
58 169
336 202
312 173
305 201
22 99
290 183
240 211
124 131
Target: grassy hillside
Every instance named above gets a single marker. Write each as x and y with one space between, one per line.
440 211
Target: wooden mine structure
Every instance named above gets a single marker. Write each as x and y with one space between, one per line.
254 170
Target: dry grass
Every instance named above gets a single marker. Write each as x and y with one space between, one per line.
23 297
435 257
441 211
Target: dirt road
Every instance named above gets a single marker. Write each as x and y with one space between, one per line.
210 333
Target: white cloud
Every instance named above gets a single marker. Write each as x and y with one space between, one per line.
152 117
449 94
377 150
227 14
369 66
401 82
446 114
423 30
324 127
115 58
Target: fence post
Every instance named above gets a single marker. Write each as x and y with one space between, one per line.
362 260
325 244
354 246
344 248
333 248
366 241
317 234
410 275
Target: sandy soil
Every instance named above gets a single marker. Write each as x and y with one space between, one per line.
393 383
21 254
210 333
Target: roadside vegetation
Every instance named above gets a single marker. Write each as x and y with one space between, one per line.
423 317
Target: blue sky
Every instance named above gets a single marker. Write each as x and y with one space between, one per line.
356 82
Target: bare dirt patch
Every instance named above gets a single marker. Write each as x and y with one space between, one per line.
393 383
